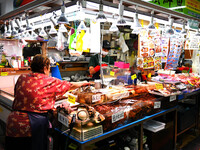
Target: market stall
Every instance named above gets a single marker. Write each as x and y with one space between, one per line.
149 81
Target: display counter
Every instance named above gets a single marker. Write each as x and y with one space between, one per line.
137 108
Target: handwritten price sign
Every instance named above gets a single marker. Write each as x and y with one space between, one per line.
159 86
133 76
112 73
71 99
63 119
118 116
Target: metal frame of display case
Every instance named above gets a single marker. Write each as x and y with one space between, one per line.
196 95
139 122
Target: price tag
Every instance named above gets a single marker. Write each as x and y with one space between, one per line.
4 73
112 73
159 86
63 119
118 116
133 77
149 75
172 98
96 98
157 105
71 99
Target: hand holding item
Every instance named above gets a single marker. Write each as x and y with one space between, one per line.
75 85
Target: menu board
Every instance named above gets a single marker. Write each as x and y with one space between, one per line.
148 63
157 63
176 46
144 44
165 48
192 42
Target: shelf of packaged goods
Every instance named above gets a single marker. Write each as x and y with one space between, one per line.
74 69
8 39
35 41
15 71
73 62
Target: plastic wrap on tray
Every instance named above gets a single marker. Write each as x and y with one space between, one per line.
90 98
136 90
122 112
115 93
164 92
87 95
115 115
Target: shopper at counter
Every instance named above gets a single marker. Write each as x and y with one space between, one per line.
35 94
94 66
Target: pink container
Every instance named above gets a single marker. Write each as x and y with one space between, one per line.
121 64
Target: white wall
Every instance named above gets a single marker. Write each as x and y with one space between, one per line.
6 6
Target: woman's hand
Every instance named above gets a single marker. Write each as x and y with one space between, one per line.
75 85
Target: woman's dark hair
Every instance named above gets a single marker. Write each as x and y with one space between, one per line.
39 62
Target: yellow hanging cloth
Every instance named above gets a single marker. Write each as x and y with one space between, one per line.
79 42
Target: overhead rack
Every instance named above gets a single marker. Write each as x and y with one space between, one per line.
41 7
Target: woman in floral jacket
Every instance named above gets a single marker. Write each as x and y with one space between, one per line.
35 95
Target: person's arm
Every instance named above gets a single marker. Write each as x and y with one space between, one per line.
93 67
93 70
75 85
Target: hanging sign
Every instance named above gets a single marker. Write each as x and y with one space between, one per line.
194 24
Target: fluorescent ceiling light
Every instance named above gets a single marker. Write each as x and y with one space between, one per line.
179 7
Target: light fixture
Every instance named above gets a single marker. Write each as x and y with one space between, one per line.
151 25
53 30
101 17
121 21
42 32
136 24
198 33
113 27
27 35
34 35
81 14
8 33
14 32
62 28
183 31
5 29
28 26
170 31
82 26
20 30
62 19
